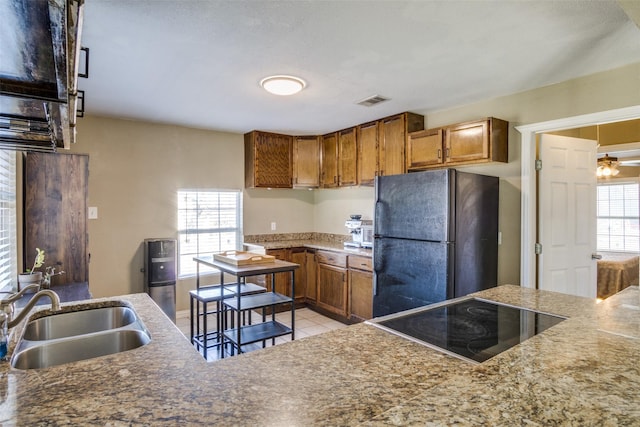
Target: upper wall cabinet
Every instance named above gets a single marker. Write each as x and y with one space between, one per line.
267 160
347 158
306 161
329 161
460 144
367 137
394 131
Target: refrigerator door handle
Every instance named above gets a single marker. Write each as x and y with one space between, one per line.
375 285
377 214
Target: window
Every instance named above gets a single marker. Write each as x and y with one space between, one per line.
8 251
618 217
208 221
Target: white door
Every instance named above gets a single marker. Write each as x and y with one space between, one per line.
567 215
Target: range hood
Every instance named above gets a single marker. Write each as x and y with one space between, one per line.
39 53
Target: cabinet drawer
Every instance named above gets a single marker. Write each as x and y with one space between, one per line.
332 258
360 262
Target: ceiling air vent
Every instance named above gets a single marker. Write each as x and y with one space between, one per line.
372 100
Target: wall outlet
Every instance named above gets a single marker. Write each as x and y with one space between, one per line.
273 226
93 212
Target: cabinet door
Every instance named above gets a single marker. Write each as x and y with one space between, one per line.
360 294
268 161
283 280
311 288
425 148
367 153
347 158
467 142
329 155
391 158
299 256
332 289
306 161
55 213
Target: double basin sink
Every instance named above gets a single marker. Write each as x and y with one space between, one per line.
79 333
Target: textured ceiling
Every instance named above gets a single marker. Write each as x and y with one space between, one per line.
197 63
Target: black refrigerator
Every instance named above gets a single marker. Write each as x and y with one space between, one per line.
435 238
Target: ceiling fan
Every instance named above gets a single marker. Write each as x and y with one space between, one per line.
607 166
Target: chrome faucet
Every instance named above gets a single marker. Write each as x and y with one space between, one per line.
6 305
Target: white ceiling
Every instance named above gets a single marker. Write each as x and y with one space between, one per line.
197 63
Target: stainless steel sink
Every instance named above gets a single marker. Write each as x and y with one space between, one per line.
74 335
78 323
82 347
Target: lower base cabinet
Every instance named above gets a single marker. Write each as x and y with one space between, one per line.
332 294
335 283
360 288
360 295
311 289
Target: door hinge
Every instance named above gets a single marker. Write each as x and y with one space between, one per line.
538 164
538 248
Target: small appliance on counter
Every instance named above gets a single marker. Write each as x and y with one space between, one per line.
361 232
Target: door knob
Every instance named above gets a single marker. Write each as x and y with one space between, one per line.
596 256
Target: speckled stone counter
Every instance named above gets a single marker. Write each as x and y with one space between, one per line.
323 241
583 371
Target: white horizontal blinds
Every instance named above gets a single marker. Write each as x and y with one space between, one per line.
208 221
618 217
8 255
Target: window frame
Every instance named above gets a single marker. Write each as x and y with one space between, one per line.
623 217
237 230
8 221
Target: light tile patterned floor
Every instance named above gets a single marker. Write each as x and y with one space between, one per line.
307 323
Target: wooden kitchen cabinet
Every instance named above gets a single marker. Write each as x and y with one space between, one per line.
478 141
347 158
360 288
283 281
306 161
332 285
311 270
268 160
329 161
394 131
367 138
425 148
299 256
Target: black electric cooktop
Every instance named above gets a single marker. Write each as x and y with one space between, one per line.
472 329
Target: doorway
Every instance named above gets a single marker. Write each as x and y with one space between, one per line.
528 271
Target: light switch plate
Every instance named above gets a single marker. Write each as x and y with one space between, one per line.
93 212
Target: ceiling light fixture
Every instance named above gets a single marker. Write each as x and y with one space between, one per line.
283 85
607 167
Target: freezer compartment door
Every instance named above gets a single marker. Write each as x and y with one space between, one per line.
410 274
415 206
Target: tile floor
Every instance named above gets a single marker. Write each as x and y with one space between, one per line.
307 323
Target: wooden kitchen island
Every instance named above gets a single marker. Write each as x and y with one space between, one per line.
583 371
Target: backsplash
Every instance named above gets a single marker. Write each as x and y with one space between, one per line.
324 237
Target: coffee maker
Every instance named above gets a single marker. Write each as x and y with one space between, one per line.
361 232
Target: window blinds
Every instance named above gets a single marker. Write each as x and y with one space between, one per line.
8 255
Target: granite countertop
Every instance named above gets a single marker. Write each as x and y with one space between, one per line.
310 243
583 371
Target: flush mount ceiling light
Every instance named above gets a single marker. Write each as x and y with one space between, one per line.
282 85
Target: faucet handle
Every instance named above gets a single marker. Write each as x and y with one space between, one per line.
16 296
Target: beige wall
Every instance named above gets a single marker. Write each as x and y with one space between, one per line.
136 168
134 171
598 92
